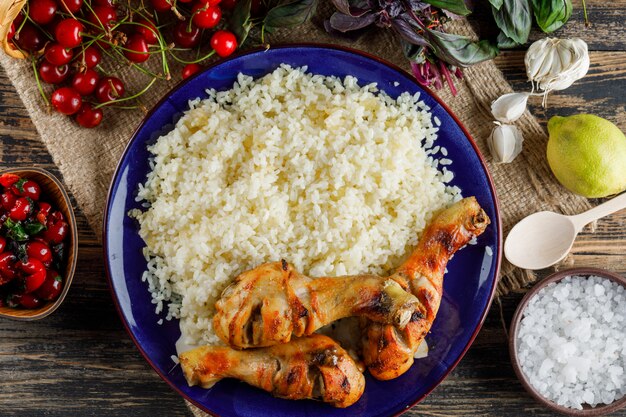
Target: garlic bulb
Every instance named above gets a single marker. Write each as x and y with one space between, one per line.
509 107
505 143
554 64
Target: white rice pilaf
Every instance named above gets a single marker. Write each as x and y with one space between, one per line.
333 177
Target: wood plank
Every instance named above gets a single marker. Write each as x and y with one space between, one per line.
80 361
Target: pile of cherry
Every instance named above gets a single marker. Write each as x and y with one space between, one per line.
67 40
32 244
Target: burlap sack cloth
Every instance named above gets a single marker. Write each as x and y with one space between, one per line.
87 158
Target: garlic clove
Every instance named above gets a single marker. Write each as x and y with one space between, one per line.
509 107
535 56
505 143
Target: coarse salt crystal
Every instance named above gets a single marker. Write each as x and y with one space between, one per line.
572 341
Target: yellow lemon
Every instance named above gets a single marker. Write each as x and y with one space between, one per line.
587 154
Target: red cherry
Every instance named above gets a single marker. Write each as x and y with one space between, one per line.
109 89
137 49
89 117
58 55
210 2
42 11
102 2
8 200
56 230
29 38
161 5
44 210
53 74
205 16
224 43
51 287
66 100
7 267
39 251
71 6
3 244
85 82
148 30
28 300
185 38
103 16
11 32
190 69
185 1
68 33
29 189
20 210
90 57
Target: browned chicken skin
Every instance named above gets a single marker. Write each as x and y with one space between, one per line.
269 304
313 367
388 350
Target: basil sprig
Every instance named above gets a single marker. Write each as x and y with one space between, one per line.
551 14
514 20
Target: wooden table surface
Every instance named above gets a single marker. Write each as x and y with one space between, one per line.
80 361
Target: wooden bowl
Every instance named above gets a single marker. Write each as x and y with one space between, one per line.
598 410
52 190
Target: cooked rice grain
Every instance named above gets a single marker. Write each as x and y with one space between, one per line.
328 175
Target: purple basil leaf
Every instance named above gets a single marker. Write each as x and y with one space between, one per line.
358 8
457 50
345 23
342 5
406 31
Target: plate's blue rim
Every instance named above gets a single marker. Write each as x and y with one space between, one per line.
311 45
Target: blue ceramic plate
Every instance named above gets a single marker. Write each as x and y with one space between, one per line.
469 284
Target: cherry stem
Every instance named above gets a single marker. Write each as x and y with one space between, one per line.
39 86
134 96
195 61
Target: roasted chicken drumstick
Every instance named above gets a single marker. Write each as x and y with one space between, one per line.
313 367
388 350
269 304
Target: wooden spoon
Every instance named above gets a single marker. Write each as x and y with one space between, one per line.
544 238
52 191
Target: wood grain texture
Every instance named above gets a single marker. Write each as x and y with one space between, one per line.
80 361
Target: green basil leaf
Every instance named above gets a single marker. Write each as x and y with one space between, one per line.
15 231
454 6
20 184
33 228
240 20
458 50
496 3
514 19
504 42
551 14
290 13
